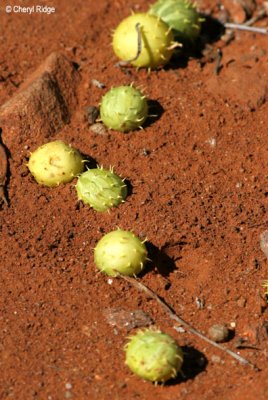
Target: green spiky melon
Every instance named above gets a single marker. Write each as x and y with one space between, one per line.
101 189
123 108
153 355
181 15
54 163
156 41
120 252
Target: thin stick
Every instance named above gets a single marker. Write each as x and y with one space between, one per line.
261 14
243 27
139 48
181 321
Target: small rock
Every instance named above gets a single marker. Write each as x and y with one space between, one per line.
68 386
179 329
98 84
127 319
212 142
241 302
200 303
218 333
91 113
145 152
216 359
98 128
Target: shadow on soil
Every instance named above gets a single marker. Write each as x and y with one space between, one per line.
155 112
159 260
211 32
90 163
194 363
129 187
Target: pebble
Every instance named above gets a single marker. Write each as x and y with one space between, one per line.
216 359
98 128
127 319
98 84
68 386
219 333
212 142
91 113
200 303
179 329
241 302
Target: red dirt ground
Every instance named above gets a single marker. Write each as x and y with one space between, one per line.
199 177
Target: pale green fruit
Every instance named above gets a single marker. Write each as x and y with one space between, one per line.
54 163
156 41
120 252
153 356
181 16
123 108
101 189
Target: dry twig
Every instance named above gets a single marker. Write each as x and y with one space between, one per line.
244 27
139 48
261 14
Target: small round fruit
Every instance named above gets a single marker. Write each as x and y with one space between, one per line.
120 252
156 41
54 163
153 356
181 16
123 108
101 189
